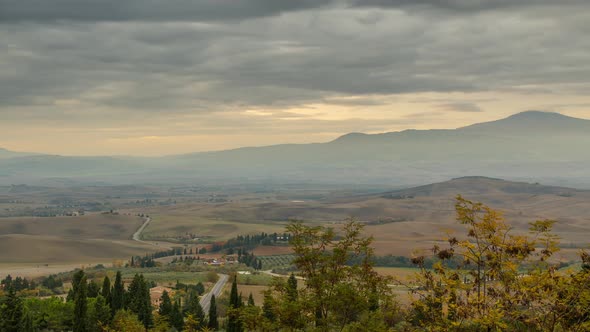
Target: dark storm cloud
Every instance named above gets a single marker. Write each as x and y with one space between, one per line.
226 55
466 6
216 10
147 10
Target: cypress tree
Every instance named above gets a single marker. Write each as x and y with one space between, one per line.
176 318
267 307
93 289
194 308
139 300
165 305
76 279
251 300
213 323
292 288
117 294
233 321
106 290
80 306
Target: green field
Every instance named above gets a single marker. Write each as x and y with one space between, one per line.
174 225
259 279
276 261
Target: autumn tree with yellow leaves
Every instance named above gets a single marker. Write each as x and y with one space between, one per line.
504 281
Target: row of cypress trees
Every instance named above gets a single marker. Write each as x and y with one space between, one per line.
110 300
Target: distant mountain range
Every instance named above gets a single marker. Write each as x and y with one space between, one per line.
530 146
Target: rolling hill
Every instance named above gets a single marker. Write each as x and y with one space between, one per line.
89 238
530 146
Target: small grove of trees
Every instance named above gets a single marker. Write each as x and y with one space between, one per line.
249 259
88 308
252 241
187 315
17 284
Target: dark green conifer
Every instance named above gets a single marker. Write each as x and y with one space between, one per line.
106 290
139 300
80 305
176 318
194 308
165 305
117 294
233 319
213 323
292 288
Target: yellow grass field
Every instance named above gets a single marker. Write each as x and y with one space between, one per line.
66 241
199 219
256 292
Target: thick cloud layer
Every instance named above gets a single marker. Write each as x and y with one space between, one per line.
215 10
100 63
142 10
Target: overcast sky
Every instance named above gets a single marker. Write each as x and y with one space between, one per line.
137 77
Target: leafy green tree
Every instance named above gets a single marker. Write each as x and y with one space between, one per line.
191 324
117 294
99 314
336 294
161 324
506 280
51 314
289 311
27 321
213 323
80 306
11 312
250 318
126 321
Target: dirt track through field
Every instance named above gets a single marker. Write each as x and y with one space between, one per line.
137 236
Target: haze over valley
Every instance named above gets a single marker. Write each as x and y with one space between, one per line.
529 146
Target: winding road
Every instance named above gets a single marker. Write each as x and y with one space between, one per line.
137 234
206 299
217 288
